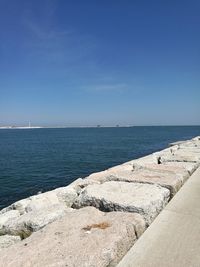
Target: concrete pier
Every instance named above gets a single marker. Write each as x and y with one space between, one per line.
143 213
173 239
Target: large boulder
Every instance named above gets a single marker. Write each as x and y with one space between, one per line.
19 206
180 155
172 181
152 158
167 169
164 175
197 138
62 195
42 201
178 143
33 221
189 167
145 199
195 142
10 215
68 194
85 237
107 175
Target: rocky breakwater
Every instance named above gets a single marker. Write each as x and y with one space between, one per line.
94 221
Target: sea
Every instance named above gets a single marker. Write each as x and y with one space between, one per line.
38 160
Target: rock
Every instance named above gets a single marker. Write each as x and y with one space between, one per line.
190 167
34 203
193 146
19 206
63 195
69 193
190 152
197 138
8 240
179 155
172 165
107 175
151 173
191 143
145 199
188 143
165 179
83 238
152 158
166 169
97 177
5 217
42 201
177 143
33 221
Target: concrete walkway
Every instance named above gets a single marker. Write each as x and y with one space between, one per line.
173 239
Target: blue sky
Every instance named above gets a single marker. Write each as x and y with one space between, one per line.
70 62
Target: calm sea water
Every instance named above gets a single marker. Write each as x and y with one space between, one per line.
35 160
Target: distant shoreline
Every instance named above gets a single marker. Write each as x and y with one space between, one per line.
68 127
20 127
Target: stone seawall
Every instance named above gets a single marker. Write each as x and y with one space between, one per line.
94 221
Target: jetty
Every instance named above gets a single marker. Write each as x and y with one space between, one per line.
142 213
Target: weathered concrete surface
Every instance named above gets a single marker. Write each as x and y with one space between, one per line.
189 167
171 177
181 168
10 215
8 240
171 181
187 202
193 142
177 143
173 238
182 153
85 237
152 158
145 199
195 178
33 221
108 175
197 138
31 214
169 168
103 176
63 195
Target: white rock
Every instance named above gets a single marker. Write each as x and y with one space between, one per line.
145 199
152 158
177 143
19 205
63 195
34 220
42 201
178 156
68 194
83 238
171 177
7 216
197 138
190 167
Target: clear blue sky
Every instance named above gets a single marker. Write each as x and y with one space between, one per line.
70 62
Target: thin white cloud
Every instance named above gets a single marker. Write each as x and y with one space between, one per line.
53 45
